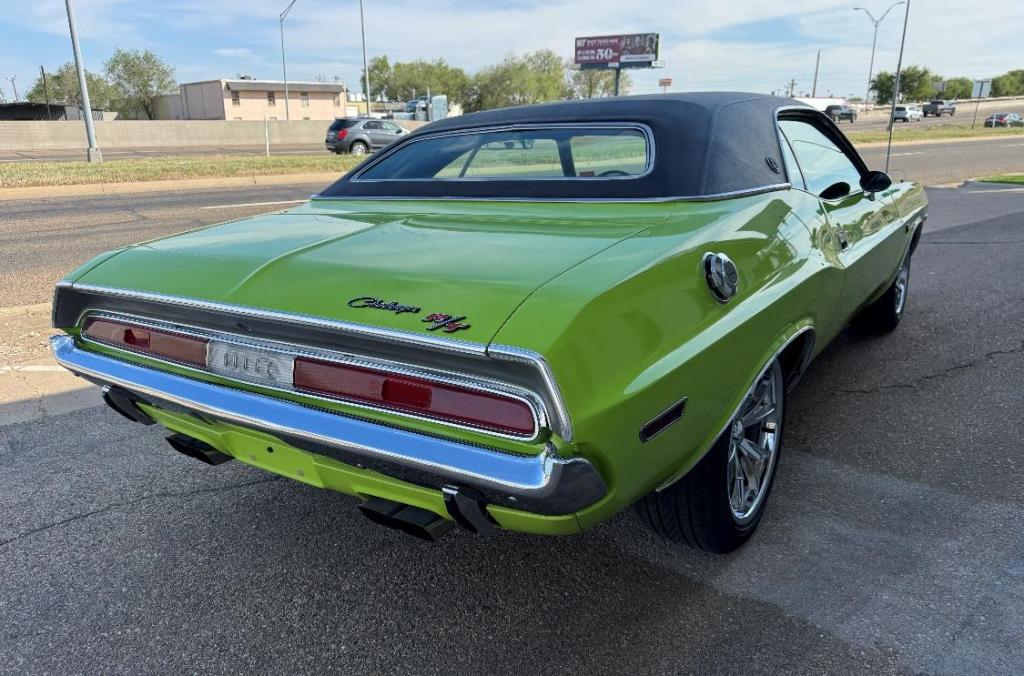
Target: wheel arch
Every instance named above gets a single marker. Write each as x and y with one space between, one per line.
793 349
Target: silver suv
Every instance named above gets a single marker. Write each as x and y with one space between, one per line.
360 135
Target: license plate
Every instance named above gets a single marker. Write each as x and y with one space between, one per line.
250 364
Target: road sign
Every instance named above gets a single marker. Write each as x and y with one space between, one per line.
982 89
665 82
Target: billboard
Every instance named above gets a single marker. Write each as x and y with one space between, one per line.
636 50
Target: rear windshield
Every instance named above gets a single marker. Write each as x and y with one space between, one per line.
547 152
341 124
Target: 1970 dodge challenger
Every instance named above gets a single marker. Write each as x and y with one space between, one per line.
527 319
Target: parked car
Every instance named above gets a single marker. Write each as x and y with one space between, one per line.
840 113
517 318
938 108
1004 120
907 114
359 136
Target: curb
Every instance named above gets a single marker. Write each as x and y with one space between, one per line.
90 189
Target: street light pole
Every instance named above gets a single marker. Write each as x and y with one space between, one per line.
874 42
284 68
366 69
896 87
93 152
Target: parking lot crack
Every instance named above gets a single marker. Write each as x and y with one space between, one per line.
918 382
130 503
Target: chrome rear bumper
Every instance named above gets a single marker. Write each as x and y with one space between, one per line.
543 484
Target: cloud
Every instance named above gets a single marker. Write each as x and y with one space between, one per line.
234 52
728 44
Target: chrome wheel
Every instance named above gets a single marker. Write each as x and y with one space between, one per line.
754 437
902 281
358 149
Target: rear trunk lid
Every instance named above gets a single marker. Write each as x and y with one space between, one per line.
429 267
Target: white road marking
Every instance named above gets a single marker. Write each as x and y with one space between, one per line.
920 152
1013 145
253 204
997 190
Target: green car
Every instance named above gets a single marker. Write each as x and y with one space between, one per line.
524 319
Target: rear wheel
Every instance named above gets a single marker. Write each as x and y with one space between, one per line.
885 314
358 148
718 505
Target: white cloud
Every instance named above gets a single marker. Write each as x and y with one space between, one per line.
234 52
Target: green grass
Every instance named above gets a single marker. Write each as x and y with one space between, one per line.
1005 178
918 132
27 174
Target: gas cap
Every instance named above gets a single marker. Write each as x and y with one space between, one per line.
722 277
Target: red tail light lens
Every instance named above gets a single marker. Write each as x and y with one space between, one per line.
450 403
342 133
167 344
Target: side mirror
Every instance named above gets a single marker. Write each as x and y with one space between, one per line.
875 181
835 191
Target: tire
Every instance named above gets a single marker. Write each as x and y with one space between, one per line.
700 510
885 314
358 148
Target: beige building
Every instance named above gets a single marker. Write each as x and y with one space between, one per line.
253 100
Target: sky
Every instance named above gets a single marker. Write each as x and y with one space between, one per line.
749 45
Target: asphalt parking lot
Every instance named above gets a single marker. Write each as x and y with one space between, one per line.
892 543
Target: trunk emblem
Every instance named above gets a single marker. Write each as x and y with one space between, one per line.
448 323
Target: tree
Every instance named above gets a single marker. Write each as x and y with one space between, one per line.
1009 84
958 88
521 80
916 84
588 83
416 78
380 78
62 85
136 78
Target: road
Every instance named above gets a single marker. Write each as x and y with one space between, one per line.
77 155
891 544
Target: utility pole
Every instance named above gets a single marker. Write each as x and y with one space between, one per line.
618 79
896 87
46 93
366 68
11 79
284 68
874 42
93 152
792 87
814 87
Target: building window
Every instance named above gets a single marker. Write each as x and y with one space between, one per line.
271 99
337 100
239 119
306 118
236 100
273 118
305 100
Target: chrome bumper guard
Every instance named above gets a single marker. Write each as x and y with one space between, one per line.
544 484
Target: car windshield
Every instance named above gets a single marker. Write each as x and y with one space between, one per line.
541 153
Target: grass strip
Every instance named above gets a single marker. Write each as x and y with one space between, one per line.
910 132
28 174
1017 179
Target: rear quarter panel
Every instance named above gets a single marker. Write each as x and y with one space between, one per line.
649 332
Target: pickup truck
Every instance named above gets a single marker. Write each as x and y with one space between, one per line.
938 108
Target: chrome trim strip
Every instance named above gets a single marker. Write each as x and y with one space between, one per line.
545 483
647 132
539 412
680 474
392 335
715 197
559 422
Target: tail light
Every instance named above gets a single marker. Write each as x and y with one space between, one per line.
175 346
407 394
342 133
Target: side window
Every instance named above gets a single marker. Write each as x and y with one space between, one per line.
796 177
372 126
821 161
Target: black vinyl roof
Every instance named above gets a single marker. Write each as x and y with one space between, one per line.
706 144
